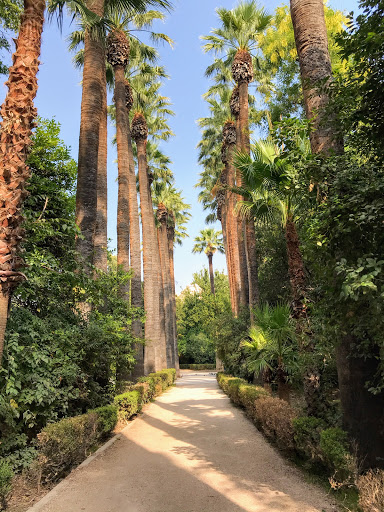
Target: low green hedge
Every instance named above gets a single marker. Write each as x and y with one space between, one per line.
65 444
6 475
307 437
197 367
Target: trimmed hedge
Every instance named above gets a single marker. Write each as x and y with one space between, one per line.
307 437
198 367
65 444
6 475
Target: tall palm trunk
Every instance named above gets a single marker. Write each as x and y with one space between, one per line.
100 259
315 69
171 244
162 217
362 411
154 352
18 116
222 214
242 73
244 296
135 243
128 229
211 274
229 138
91 113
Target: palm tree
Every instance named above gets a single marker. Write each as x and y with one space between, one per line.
18 115
155 350
209 242
237 38
91 114
270 346
172 208
269 192
315 69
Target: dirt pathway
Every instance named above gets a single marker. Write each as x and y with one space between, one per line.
191 451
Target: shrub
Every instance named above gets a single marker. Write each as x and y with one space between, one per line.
167 376
371 491
128 404
106 418
6 476
274 416
307 436
337 457
144 389
65 444
156 384
248 394
198 367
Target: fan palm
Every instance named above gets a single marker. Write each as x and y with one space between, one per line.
235 41
270 345
269 192
209 241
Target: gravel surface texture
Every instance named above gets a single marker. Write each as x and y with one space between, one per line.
190 451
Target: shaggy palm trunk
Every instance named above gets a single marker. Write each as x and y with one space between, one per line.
211 274
243 74
229 137
222 200
171 244
315 69
91 113
135 244
162 217
100 258
244 294
154 352
18 116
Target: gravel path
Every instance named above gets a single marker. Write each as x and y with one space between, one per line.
191 451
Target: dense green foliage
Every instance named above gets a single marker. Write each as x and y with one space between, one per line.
9 21
197 313
57 363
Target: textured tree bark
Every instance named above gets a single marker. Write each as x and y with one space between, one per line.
18 118
100 258
315 69
363 412
171 244
211 274
91 109
232 232
166 278
249 235
244 289
155 349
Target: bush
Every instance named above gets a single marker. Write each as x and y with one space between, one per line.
128 404
65 444
155 383
248 394
144 389
6 476
275 416
307 436
198 367
106 418
336 455
371 491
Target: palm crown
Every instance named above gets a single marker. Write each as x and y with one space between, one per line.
209 242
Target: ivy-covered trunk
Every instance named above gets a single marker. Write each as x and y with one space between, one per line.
18 118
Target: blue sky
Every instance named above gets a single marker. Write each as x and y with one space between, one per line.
59 96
